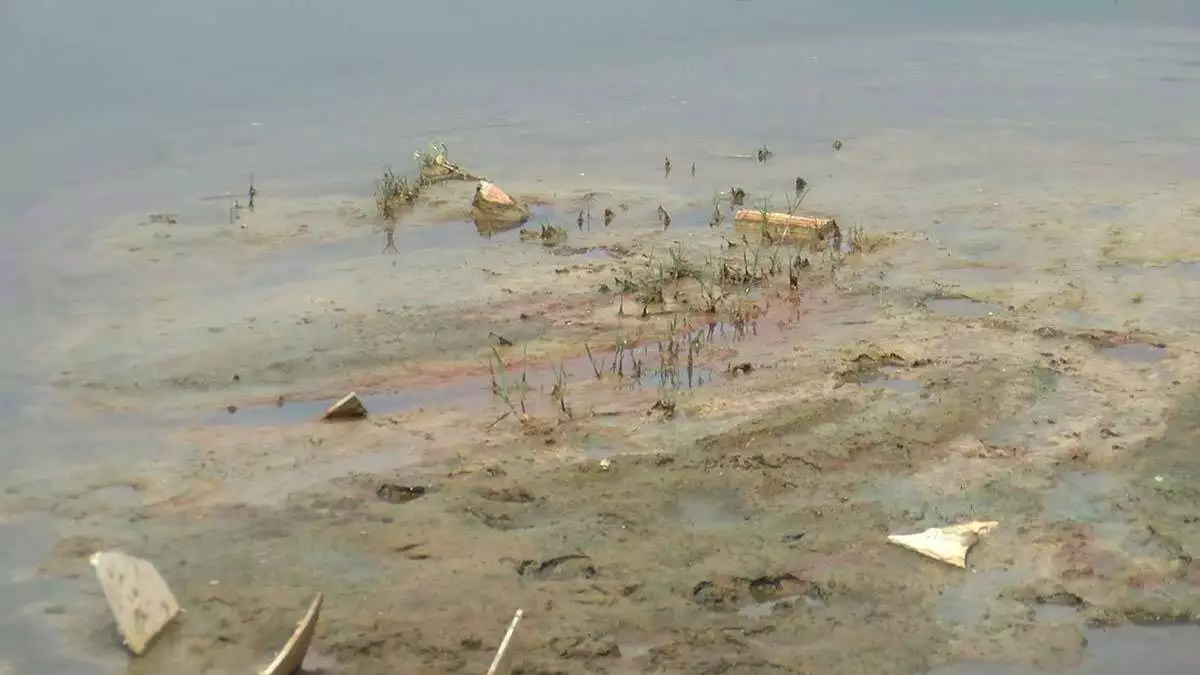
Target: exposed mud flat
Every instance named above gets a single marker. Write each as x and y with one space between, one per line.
667 478
677 445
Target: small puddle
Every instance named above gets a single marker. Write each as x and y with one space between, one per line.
969 603
1108 211
979 274
465 233
288 413
1082 496
1160 650
726 332
698 218
1187 270
705 513
964 308
1136 353
1078 319
762 610
29 642
599 253
636 366
885 379
635 646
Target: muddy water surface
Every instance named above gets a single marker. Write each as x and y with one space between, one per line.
1011 350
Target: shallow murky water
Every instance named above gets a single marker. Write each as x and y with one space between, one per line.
1137 353
888 378
98 130
1164 650
964 308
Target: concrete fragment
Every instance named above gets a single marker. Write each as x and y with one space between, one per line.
493 205
946 544
350 407
140 600
502 663
291 657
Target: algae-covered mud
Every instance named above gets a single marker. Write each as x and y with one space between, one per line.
676 439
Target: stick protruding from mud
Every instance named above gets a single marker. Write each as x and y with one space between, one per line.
502 663
291 657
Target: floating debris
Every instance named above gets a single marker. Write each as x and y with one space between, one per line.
292 656
837 145
140 600
947 544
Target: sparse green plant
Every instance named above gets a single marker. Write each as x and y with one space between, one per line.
678 266
858 241
737 196
393 192
794 200
597 369
797 265
501 389
1115 241
712 294
559 393
717 217
547 234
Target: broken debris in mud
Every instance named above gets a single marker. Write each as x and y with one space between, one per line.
946 544
349 407
140 600
495 206
291 657
820 473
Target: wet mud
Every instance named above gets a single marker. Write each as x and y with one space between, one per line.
675 451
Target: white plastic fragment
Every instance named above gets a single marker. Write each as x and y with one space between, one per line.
502 663
946 544
291 657
140 600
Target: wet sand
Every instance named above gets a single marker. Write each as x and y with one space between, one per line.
688 450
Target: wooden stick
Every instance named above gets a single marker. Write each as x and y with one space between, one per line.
784 220
502 664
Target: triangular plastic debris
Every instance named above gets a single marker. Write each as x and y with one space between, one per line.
502 664
947 544
291 657
139 599
349 407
